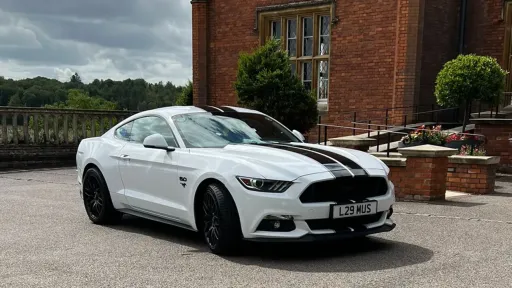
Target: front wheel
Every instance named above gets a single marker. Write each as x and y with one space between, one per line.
97 201
221 224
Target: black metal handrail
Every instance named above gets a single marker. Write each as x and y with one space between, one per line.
364 129
387 118
389 133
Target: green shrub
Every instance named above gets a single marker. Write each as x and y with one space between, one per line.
468 78
266 83
186 96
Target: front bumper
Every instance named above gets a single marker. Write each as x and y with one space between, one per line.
310 220
388 226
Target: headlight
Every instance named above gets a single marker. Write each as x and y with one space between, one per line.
264 185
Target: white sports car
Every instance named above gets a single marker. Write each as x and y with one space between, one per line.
232 174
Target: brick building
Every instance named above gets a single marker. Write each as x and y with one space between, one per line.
357 55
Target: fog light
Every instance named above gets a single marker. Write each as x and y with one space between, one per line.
273 223
277 224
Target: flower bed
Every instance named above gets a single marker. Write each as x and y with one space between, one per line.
466 144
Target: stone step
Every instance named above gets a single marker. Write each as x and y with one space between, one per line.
505 114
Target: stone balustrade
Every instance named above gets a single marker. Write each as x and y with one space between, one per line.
33 136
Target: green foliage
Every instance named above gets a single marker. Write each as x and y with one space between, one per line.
266 83
15 101
468 78
129 94
186 96
78 99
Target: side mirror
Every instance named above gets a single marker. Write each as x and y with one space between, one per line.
299 135
157 141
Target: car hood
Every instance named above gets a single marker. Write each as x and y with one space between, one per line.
289 161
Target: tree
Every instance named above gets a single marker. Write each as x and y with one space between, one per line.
78 99
266 83
15 101
186 96
129 94
75 78
470 78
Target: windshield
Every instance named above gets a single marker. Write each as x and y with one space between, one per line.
204 130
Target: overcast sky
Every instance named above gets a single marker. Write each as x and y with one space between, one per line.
117 39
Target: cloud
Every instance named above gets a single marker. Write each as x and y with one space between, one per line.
121 39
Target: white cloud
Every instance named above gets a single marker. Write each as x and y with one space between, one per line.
140 39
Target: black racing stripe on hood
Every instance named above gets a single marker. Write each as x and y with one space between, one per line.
353 166
328 163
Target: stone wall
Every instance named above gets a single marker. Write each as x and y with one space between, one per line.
38 137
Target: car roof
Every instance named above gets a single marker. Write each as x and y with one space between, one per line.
178 110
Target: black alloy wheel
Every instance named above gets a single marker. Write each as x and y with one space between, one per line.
97 201
211 227
220 222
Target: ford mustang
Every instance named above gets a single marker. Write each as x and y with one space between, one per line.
232 174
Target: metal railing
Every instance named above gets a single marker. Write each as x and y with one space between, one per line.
379 130
494 109
404 115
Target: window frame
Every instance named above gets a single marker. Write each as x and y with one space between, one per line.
265 23
178 144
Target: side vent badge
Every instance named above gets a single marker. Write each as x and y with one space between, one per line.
183 181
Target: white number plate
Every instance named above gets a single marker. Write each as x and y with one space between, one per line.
352 210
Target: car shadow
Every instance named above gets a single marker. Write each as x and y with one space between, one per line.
367 254
350 256
138 225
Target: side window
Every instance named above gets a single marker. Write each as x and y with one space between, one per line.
146 126
124 131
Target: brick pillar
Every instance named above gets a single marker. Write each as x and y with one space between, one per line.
427 169
497 133
200 51
472 174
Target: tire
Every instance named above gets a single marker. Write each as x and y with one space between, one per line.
219 211
97 201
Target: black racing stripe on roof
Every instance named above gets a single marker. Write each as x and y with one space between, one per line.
353 166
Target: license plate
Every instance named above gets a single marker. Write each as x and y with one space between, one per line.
352 210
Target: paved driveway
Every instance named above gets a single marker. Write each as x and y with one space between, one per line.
46 240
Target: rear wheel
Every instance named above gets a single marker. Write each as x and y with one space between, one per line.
97 201
221 224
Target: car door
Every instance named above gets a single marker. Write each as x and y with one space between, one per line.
150 176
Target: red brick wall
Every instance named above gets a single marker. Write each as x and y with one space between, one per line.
475 179
497 136
398 177
199 51
485 31
440 44
374 53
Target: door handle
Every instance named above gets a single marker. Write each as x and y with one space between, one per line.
124 156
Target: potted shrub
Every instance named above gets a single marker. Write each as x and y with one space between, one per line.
468 78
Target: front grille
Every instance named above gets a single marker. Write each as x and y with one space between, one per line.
345 190
356 223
